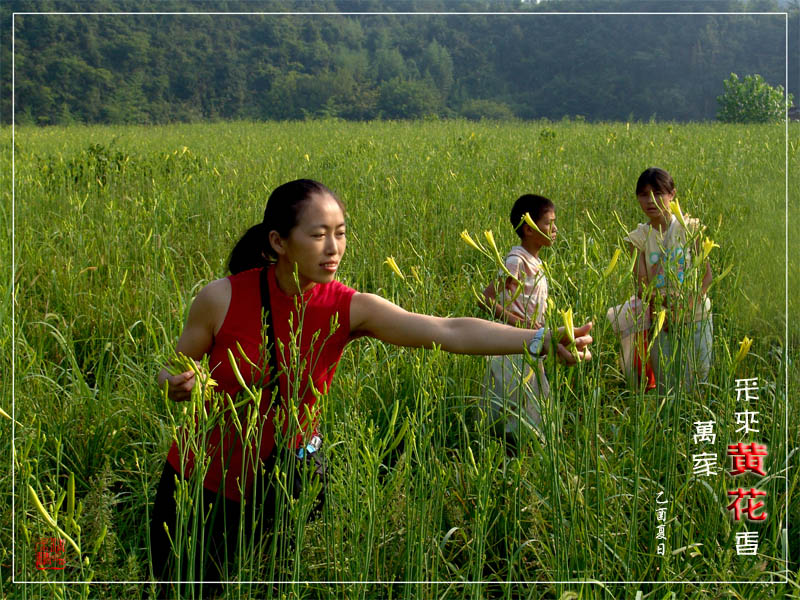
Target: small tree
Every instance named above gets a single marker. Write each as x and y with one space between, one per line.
752 100
478 109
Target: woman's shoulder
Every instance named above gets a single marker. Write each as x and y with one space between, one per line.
679 232
214 298
641 228
336 290
518 255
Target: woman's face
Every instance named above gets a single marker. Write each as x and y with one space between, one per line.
654 204
547 225
317 243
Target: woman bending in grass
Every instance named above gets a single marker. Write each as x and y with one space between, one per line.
298 248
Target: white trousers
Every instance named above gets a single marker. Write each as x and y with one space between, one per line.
514 391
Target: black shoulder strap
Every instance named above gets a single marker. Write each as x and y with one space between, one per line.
272 348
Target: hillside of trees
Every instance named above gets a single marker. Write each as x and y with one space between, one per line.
158 68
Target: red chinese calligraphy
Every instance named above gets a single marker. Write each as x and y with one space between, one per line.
50 554
747 457
751 507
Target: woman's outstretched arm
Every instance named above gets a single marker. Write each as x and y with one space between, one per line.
377 317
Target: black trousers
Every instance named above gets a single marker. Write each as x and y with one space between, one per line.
221 530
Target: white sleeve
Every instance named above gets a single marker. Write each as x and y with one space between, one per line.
513 264
638 236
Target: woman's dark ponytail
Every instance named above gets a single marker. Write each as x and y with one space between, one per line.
282 213
250 252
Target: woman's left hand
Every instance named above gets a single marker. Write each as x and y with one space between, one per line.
582 341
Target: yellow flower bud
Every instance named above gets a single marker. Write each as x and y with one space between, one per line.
468 239
675 208
744 348
528 221
490 238
660 318
569 329
49 519
613 263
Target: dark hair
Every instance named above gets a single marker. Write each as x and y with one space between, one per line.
282 213
532 204
659 181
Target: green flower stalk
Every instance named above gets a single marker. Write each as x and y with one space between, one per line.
50 520
721 276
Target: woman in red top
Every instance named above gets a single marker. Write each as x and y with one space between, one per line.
301 242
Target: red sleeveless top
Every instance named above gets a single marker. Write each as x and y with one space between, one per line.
320 347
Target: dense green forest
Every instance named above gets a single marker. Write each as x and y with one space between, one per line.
532 64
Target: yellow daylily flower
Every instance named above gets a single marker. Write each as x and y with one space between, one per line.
708 245
490 238
566 317
675 209
182 363
660 318
744 348
613 263
415 273
569 331
393 266
527 377
468 239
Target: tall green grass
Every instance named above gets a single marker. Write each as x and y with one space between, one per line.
117 228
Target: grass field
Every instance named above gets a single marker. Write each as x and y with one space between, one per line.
117 229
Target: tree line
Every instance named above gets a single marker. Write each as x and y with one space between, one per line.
159 68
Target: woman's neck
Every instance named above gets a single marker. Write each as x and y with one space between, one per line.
288 280
660 223
532 247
